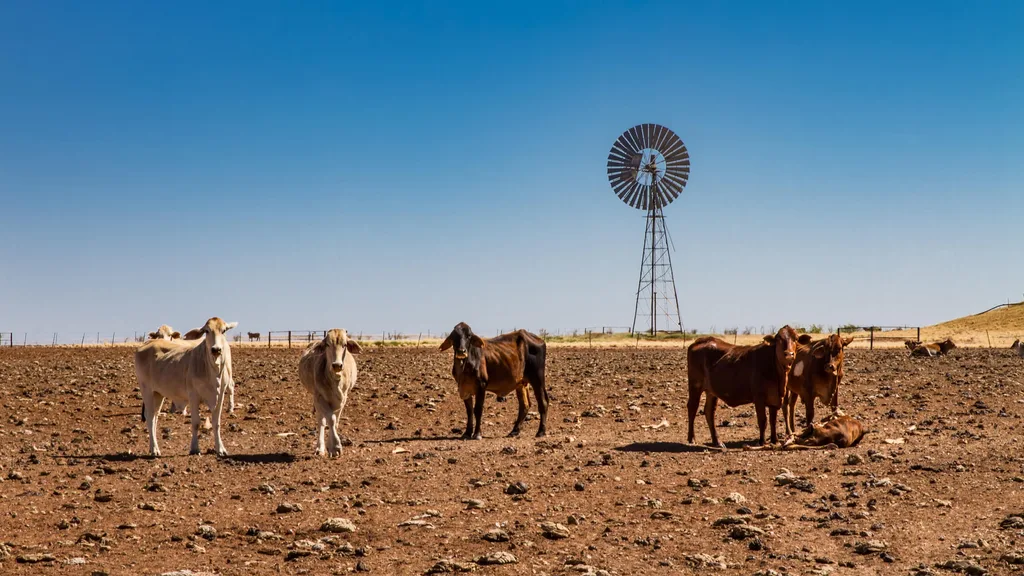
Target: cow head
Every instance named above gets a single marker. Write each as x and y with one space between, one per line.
784 342
831 350
335 345
1017 345
165 332
213 332
947 345
911 344
461 338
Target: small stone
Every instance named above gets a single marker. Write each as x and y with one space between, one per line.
266 489
338 526
553 531
474 504
35 558
736 498
579 487
450 567
706 561
854 459
206 532
296 554
744 531
362 567
496 535
517 488
870 547
497 559
729 521
288 507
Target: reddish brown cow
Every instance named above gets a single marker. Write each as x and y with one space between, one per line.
911 344
1018 347
739 375
840 431
817 373
934 349
499 365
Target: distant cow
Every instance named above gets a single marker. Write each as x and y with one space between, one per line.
1018 347
499 365
178 369
817 373
165 332
934 349
254 336
328 372
740 375
911 344
840 431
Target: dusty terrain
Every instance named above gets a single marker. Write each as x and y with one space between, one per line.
938 481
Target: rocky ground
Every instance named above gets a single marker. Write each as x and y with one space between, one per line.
936 488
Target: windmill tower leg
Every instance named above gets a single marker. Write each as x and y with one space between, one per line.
648 234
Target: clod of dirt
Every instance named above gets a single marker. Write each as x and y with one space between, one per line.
744 531
496 535
516 489
706 561
450 567
497 559
102 496
206 532
854 459
870 547
554 531
35 558
338 526
288 507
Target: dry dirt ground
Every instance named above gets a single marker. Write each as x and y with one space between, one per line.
935 488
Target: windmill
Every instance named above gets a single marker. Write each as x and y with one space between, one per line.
648 167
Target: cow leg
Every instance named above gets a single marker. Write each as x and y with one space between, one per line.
810 412
709 414
835 395
540 392
468 433
692 405
521 396
773 415
193 412
151 408
218 443
334 446
231 396
762 421
788 408
478 412
321 425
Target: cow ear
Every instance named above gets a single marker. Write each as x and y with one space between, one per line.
230 325
447 342
769 339
819 352
176 335
353 347
152 335
475 341
847 341
804 339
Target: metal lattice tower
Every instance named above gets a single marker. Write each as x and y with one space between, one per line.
648 167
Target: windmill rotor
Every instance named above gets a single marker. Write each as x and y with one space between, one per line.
648 166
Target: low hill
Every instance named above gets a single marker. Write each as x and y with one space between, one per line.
1005 318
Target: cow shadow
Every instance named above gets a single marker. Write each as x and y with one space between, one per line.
412 439
271 458
122 457
678 447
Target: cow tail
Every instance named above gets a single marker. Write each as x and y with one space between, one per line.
143 411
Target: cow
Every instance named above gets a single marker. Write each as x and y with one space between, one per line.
1018 347
739 375
911 344
164 332
499 365
934 349
837 431
199 370
254 336
817 373
327 371
198 334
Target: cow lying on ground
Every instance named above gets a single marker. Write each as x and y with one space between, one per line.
1018 347
817 373
934 349
837 431
499 365
739 375
254 336
327 371
164 332
911 344
199 371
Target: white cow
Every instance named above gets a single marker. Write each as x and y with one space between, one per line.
1018 346
328 371
197 370
165 332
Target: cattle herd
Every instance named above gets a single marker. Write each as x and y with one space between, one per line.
775 373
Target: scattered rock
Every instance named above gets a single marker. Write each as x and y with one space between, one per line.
729 521
1014 558
736 498
206 532
288 507
296 554
579 487
553 531
497 559
35 558
744 531
967 566
870 547
474 504
496 535
1012 522
338 526
517 488
706 561
854 459
450 567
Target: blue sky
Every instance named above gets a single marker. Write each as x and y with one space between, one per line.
405 166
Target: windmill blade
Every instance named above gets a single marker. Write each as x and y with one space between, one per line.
648 166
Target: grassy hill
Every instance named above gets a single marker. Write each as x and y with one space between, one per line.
1008 318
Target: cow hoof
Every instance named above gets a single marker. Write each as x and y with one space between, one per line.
222 452
513 433
193 452
719 445
335 453
478 436
542 433
466 436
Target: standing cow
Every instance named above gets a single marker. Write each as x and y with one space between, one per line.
197 370
499 365
254 336
328 372
739 375
817 373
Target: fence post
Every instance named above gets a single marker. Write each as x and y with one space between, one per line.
872 331
268 338
289 339
918 333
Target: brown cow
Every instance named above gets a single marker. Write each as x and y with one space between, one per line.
500 365
1018 347
837 431
817 373
934 349
740 375
254 336
911 344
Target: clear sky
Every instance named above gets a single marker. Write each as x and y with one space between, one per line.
406 166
